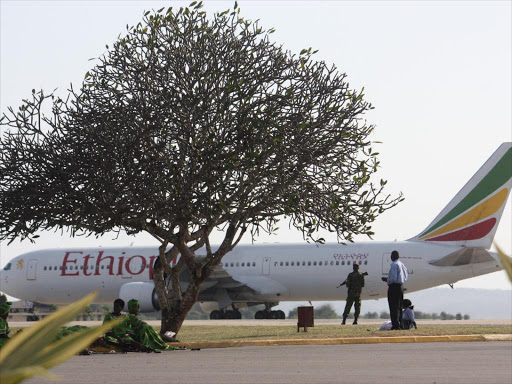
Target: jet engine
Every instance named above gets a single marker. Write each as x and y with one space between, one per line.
144 292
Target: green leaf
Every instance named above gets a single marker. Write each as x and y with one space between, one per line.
506 261
30 352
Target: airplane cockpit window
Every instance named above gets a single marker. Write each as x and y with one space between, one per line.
7 267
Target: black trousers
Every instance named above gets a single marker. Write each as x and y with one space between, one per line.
395 298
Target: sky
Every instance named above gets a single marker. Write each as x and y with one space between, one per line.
437 73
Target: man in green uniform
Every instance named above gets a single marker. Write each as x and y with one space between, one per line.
355 284
4 327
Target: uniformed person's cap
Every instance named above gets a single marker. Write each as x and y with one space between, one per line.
355 263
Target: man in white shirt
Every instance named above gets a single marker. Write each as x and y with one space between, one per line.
396 278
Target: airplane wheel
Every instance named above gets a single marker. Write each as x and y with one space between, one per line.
216 315
238 315
259 315
274 315
230 315
281 314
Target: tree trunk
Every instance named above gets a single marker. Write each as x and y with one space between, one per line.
176 314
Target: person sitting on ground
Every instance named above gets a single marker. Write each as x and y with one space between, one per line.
408 320
122 335
4 326
143 332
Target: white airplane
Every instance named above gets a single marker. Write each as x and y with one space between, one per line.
453 247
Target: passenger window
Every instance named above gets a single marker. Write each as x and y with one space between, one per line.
237 264
232 265
314 262
337 262
309 263
81 267
332 262
43 268
249 264
275 264
293 263
253 263
366 262
281 264
343 263
319 263
60 268
287 264
303 263
326 263
243 264
348 262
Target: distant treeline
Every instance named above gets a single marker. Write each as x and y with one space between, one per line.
419 315
326 311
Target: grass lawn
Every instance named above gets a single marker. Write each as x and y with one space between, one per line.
218 333
189 333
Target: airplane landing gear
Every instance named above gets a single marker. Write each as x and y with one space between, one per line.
275 315
228 315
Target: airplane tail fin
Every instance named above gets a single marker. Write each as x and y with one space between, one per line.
472 216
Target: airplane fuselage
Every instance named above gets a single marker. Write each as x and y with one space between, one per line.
250 273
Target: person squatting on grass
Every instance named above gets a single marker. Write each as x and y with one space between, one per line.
408 320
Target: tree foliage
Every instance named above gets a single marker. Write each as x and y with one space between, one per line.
186 125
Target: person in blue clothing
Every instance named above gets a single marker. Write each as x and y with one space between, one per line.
396 278
408 320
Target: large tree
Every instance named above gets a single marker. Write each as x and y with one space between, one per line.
190 124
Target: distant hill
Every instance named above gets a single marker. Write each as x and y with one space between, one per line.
477 303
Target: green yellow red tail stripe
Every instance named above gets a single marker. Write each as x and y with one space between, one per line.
475 212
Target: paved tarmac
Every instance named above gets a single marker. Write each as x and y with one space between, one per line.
432 363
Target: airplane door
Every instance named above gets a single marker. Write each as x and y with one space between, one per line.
31 269
266 266
386 263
